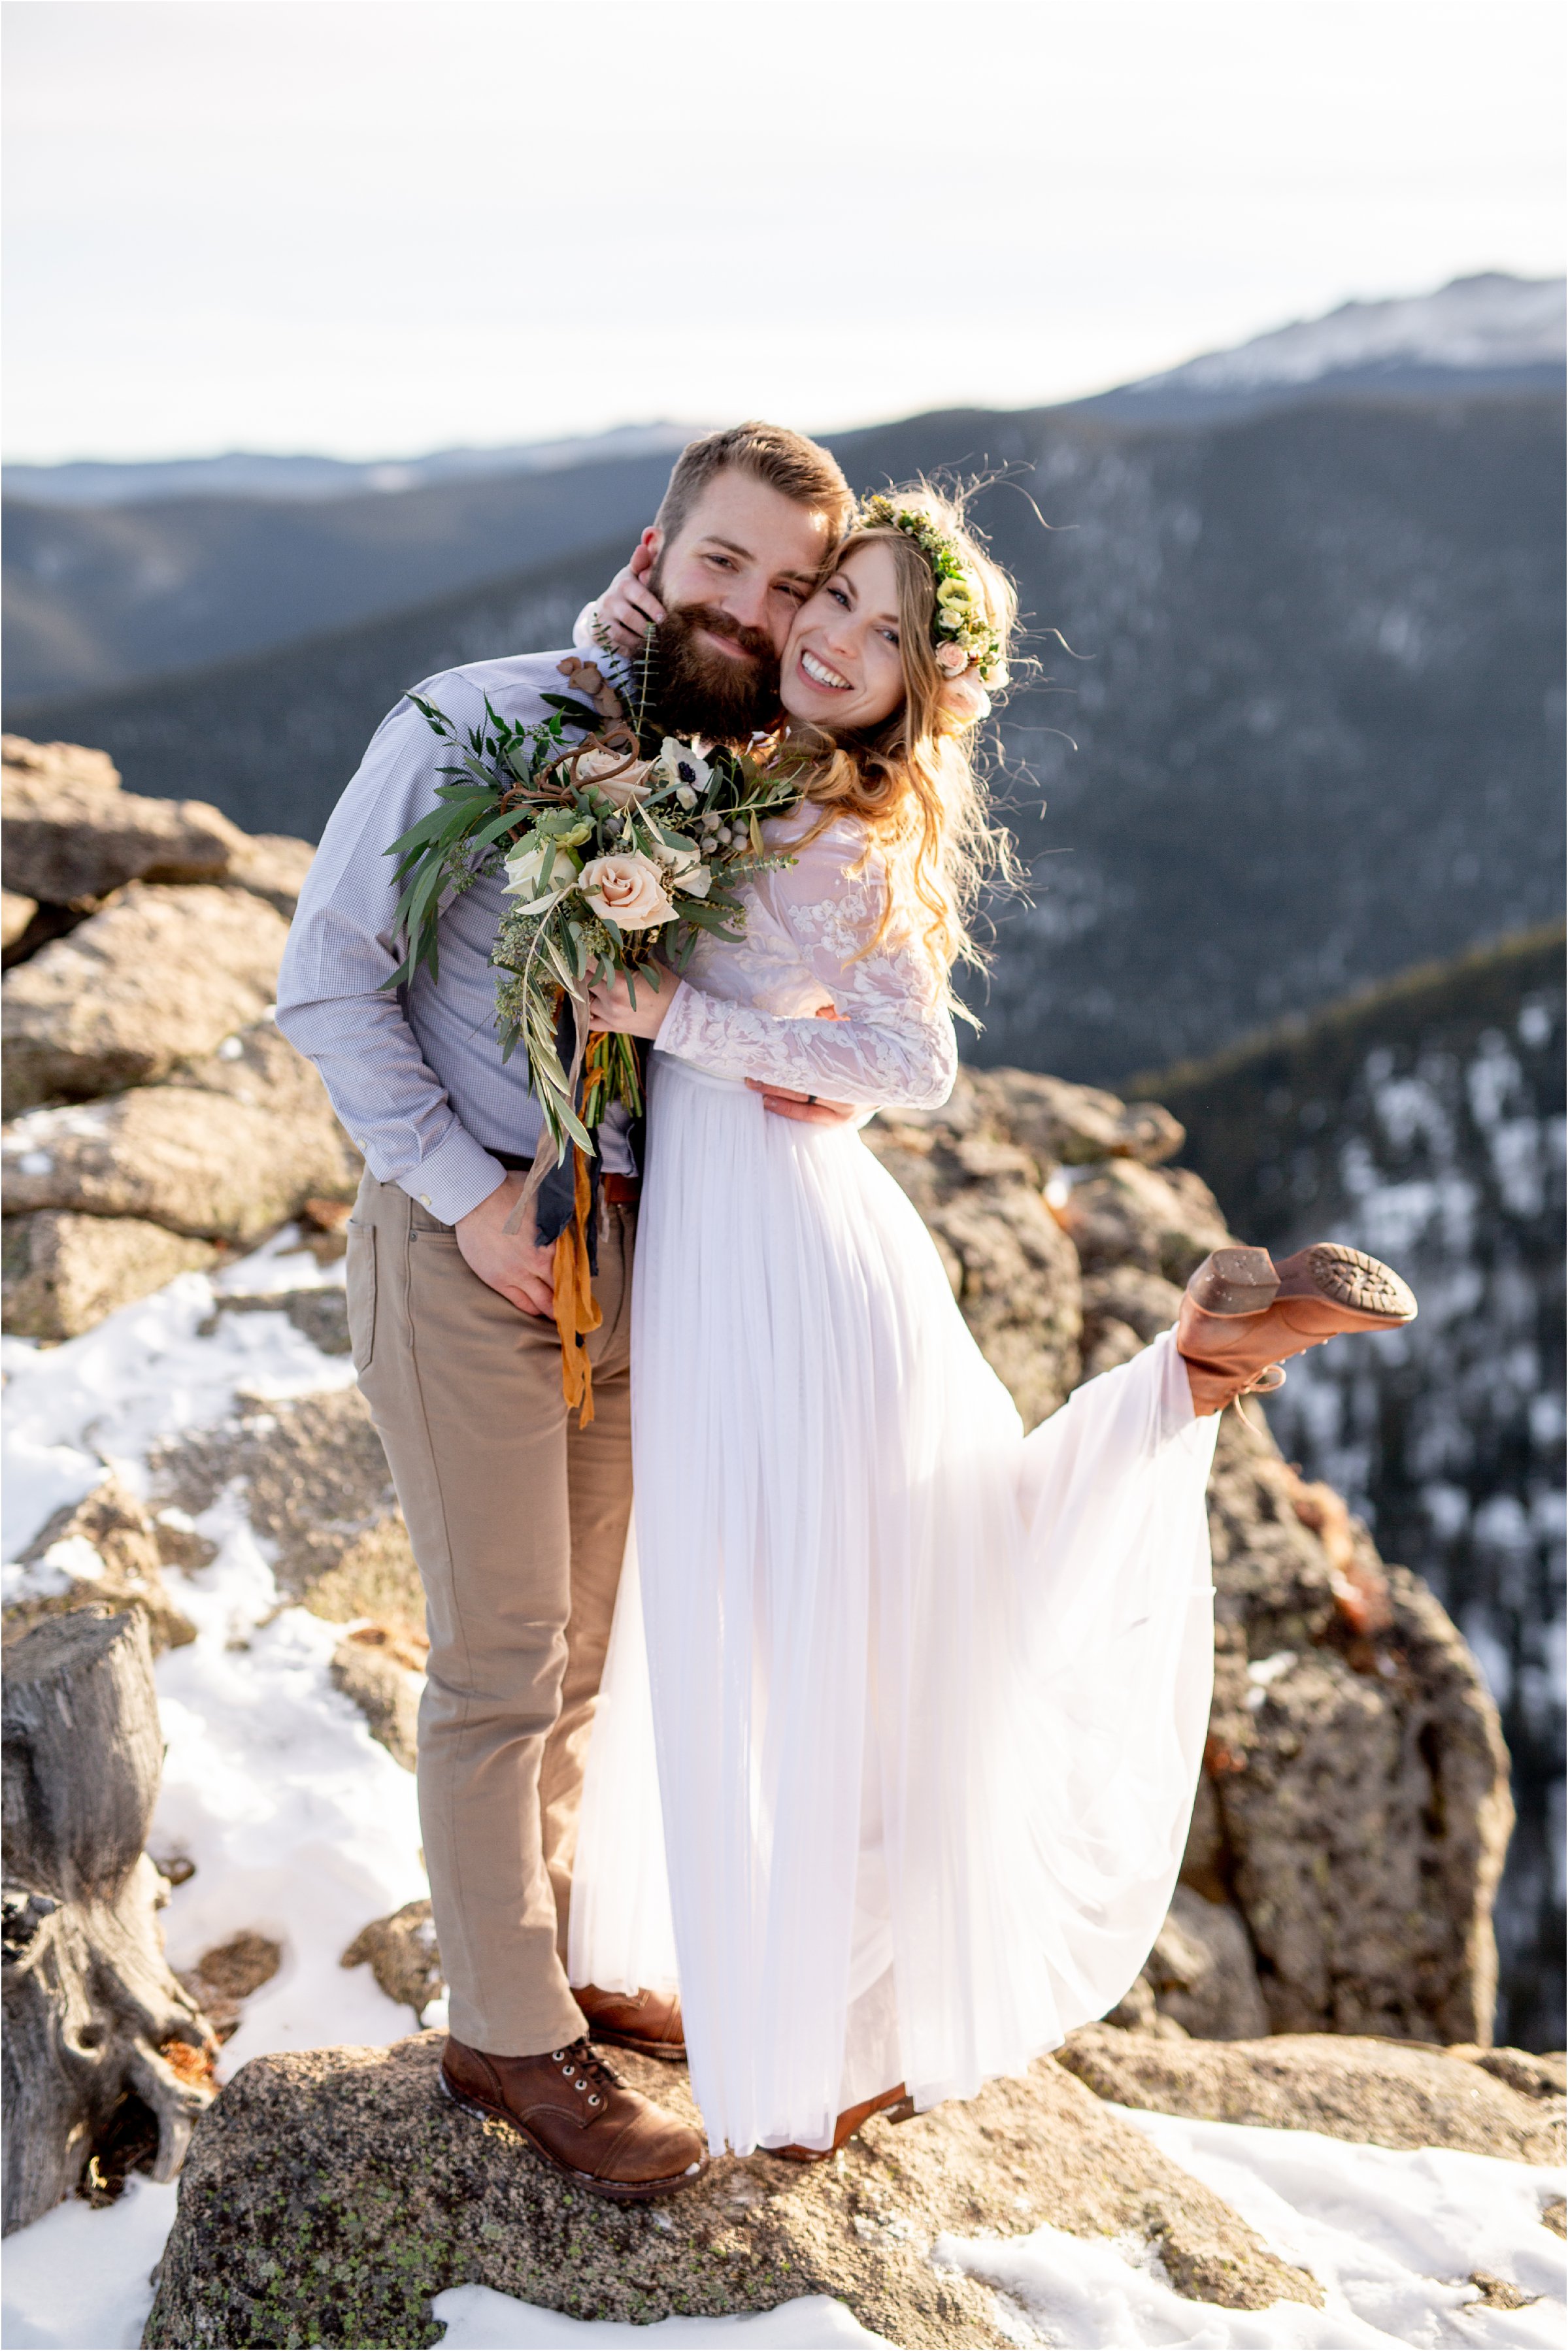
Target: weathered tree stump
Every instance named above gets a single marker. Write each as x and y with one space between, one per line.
94 2016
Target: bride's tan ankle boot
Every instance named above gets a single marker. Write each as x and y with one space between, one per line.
896 2104
1243 1316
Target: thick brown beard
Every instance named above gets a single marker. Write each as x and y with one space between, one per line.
700 691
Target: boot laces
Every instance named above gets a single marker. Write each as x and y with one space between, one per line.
582 2060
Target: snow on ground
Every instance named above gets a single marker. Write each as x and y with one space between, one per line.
302 1828
1391 2239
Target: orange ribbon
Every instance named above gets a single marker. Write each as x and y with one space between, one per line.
577 1310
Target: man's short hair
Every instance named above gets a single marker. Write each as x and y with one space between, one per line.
786 461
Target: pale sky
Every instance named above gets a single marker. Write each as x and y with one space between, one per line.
371 228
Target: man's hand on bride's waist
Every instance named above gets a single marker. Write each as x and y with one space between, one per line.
809 1109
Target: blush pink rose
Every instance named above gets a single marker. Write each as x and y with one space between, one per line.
629 889
951 659
622 779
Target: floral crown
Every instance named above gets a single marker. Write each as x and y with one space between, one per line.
961 632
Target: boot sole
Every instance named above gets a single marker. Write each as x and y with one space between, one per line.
1244 1281
1349 1278
614 2192
669 2053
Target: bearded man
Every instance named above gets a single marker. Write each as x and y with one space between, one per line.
517 1517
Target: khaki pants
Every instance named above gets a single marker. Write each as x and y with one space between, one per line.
517 1518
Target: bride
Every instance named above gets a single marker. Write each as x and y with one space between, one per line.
901 1723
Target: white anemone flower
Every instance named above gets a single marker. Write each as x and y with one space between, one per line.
684 768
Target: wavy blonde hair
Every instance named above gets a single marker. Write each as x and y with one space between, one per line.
913 781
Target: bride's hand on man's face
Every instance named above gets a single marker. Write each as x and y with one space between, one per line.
629 606
610 1004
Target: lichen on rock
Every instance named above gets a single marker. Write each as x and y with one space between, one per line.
329 2194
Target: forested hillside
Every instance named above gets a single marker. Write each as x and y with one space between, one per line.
1424 1122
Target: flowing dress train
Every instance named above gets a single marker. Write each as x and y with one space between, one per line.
901 1721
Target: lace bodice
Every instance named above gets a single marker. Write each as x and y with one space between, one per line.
749 1008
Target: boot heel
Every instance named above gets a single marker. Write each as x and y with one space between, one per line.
1235 1281
1348 1277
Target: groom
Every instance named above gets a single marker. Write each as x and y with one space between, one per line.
519 1517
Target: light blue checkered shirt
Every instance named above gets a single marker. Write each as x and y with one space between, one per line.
416 1077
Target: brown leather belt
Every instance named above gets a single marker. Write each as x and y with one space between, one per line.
624 1191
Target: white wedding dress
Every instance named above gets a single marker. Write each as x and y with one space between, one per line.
902 1715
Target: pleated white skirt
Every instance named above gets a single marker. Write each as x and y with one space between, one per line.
903 1711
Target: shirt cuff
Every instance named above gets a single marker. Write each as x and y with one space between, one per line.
453 1177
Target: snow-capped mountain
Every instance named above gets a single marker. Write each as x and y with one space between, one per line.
1490 330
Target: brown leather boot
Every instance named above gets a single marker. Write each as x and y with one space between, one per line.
1243 1316
580 2116
849 2122
647 2021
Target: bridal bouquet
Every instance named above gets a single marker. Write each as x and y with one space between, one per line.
614 853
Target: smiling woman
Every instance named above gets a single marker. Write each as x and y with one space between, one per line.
844 665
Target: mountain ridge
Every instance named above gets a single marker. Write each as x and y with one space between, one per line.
1307 736
99 594
1489 332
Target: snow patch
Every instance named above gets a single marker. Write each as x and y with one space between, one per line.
1490 321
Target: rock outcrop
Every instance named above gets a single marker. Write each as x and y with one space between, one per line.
400 1953
160 975
272 866
1202 1973
1377 2093
329 2194
15 914
142 941
104 1549
225 1149
224 1979
71 834
316 1487
1361 1808
64 1272
381 1670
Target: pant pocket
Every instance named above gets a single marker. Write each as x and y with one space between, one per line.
360 1276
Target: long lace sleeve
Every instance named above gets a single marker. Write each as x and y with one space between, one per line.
807 933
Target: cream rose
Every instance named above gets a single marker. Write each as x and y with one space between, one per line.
524 868
622 780
628 889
